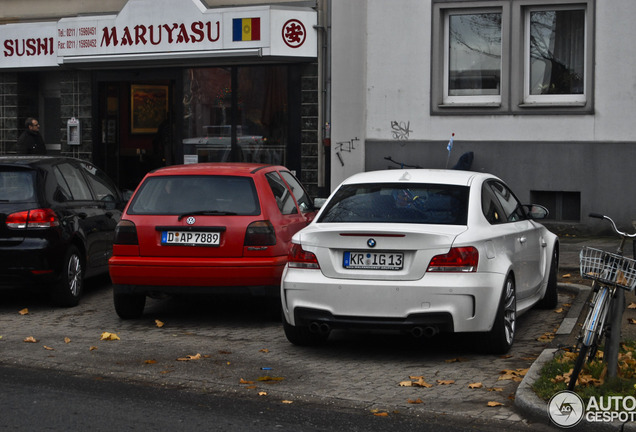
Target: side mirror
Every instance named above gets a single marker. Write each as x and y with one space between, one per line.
536 211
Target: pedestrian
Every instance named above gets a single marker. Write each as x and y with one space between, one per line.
30 141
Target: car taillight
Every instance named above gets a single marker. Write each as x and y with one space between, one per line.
461 259
126 233
300 258
260 233
38 218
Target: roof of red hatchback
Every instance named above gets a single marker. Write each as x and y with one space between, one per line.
239 168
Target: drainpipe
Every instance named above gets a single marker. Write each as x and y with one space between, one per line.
324 99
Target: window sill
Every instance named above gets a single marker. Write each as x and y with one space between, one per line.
553 105
470 105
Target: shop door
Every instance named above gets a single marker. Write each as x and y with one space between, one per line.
137 129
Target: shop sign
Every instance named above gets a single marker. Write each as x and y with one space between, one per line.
28 45
162 28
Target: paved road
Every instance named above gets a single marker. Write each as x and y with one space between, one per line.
227 346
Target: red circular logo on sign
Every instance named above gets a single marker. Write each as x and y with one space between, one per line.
294 33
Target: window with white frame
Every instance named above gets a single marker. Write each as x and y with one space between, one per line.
473 60
555 55
512 56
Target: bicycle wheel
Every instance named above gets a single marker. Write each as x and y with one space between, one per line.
592 331
578 365
595 322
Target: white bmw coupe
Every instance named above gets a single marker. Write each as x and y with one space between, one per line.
423 251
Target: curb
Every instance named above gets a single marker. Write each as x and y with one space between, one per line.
535 408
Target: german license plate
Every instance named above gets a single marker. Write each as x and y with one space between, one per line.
190 238
373 260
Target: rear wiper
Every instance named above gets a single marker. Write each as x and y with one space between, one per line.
206 213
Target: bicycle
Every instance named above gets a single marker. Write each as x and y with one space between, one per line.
608 271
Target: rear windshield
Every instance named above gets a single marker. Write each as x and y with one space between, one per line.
196 194
397 203
16 186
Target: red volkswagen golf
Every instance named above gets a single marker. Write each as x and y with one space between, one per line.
206 228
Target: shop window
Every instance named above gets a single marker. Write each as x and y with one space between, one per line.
563 206
236 114
509 57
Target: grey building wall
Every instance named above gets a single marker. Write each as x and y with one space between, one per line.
599 172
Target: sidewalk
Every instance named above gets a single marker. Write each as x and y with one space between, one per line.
525 398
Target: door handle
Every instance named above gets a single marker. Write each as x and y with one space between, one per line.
522 240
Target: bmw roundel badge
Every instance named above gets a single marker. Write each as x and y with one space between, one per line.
371 242
191 220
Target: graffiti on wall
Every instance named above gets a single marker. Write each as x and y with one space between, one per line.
400 130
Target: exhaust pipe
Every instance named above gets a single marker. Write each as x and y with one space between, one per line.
318 328
430 331
417 332
427 332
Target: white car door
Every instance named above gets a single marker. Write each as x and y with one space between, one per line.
524 242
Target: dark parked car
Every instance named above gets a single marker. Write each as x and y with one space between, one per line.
57 222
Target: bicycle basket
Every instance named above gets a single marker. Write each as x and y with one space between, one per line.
608 268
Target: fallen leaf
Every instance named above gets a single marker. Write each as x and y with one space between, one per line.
445 382
262 393
546 337
225 352
270 378
159 323
494 404
93 348
559 310
456 360
495 389
30 339
242 381
67 340
416 401
150 361
475 385
24 311
406 384
264 350
566 276
109 336
287 402
632 305
505 356
48 348
421 383
381 414
190 357
632 321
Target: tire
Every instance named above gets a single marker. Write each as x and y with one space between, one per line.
592 332
594 324
578 365
129 306
67 291
551 297
301 336
502 335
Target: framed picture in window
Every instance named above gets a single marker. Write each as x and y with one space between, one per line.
148 107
